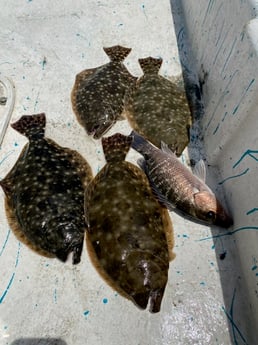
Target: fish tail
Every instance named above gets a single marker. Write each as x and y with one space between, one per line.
140 144
150 64
116 147
117 53
31 125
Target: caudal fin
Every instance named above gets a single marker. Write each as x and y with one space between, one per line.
116 147
31 125
140 144
117 53
150 64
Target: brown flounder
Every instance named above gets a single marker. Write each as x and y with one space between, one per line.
130 236
44 193
99 93
158 109
176 186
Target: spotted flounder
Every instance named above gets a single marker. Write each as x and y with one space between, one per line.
176 186
45 193
158 109
98 94
130 236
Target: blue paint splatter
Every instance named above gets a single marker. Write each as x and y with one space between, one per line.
254 268
7 155
246 153
235 176
105 300
244 94
230 317
2 297
202 283
86 313
255 209
229 233
5 242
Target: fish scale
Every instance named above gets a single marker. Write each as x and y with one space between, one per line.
44 193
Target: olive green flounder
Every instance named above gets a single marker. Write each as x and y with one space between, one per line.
158 109
44 193
99 93
130 235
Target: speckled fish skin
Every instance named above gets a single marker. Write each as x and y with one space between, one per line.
45 193
176 186
98 94
158 109
130 236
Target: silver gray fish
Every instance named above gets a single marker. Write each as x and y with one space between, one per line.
158 109
44 193
176 186
98 94
130 235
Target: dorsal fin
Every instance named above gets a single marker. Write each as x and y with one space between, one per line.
31 125
199 170
116 147
117 53
150 64
166 149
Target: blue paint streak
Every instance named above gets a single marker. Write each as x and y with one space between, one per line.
216 129
229 233
233 324
7 288
229 55
246 153
7 155
211 2
224 93
220 47
235 176
5 242
12 277
243 96
252 211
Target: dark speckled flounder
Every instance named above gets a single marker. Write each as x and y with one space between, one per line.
45 193
130 237
158 109
98 94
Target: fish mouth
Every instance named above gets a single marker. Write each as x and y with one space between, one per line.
99 130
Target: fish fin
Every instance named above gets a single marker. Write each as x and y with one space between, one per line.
199 170
141 299
117 53
116 147
166 149
150 64
77 252
19 234
85 74
169 232
31 125
139 143
156 299
6 185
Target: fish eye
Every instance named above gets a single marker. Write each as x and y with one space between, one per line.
211 215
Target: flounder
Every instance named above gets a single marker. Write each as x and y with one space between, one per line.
158 109
176 186
130 236
44 193
99 93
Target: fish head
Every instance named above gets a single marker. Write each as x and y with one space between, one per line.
101 123
65 236
209 209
